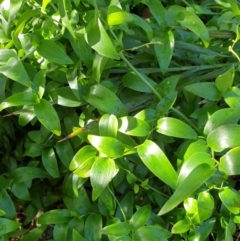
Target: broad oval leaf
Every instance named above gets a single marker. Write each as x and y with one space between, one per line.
29 174
229 163
105 100
84 169
55 216
53 52
223 137
102 172
164 46
15 70
221 117
190 184
7 204
81 156
47 115
22 98
140 217
205 90
108 125
6 54
224 81
132 81
151 233
231 199
109 146
92 227
134 127
7 225
205 205
181 226
50 162
173 127
156 161
117 229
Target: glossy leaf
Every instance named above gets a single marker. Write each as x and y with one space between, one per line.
15 70
232 97
81 156
19 99
92 227
168 85
205 90
192 162
7 225
229 163
173 127
109 146
133 126
132 81
52 52
47 115
50 162
190 205
164 46
231 199
55 216
108 125
105 100
6 54
84 169
191 183
156 161
223 137
221 117
117 229
7 204
181 226
29 174
140 217
205 205
225 80
102 172
151 233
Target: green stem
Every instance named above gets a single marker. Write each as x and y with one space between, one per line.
156 93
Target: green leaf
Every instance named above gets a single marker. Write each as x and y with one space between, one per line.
92 227
15 70
126 206
108 125
156 161
105 100
109 146
84 169
99 40
106 203
20 190
117 229
60 231
205 90
181 226
140 217
221 117
81 156
192 162
164 49
7 225
63 13
50 162
47 115
231 199
168 85
151 233
132 81
190 205
6 54
229 163
205 205
7 204
223 137
134 127
194 23
19 99
191 183
173 127
165 104
39 83
55 216
29 174
232 97
34 234
65 152
224 81
52 52
102 172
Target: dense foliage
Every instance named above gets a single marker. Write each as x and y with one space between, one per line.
117 124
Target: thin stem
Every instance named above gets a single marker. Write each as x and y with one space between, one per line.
120 207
